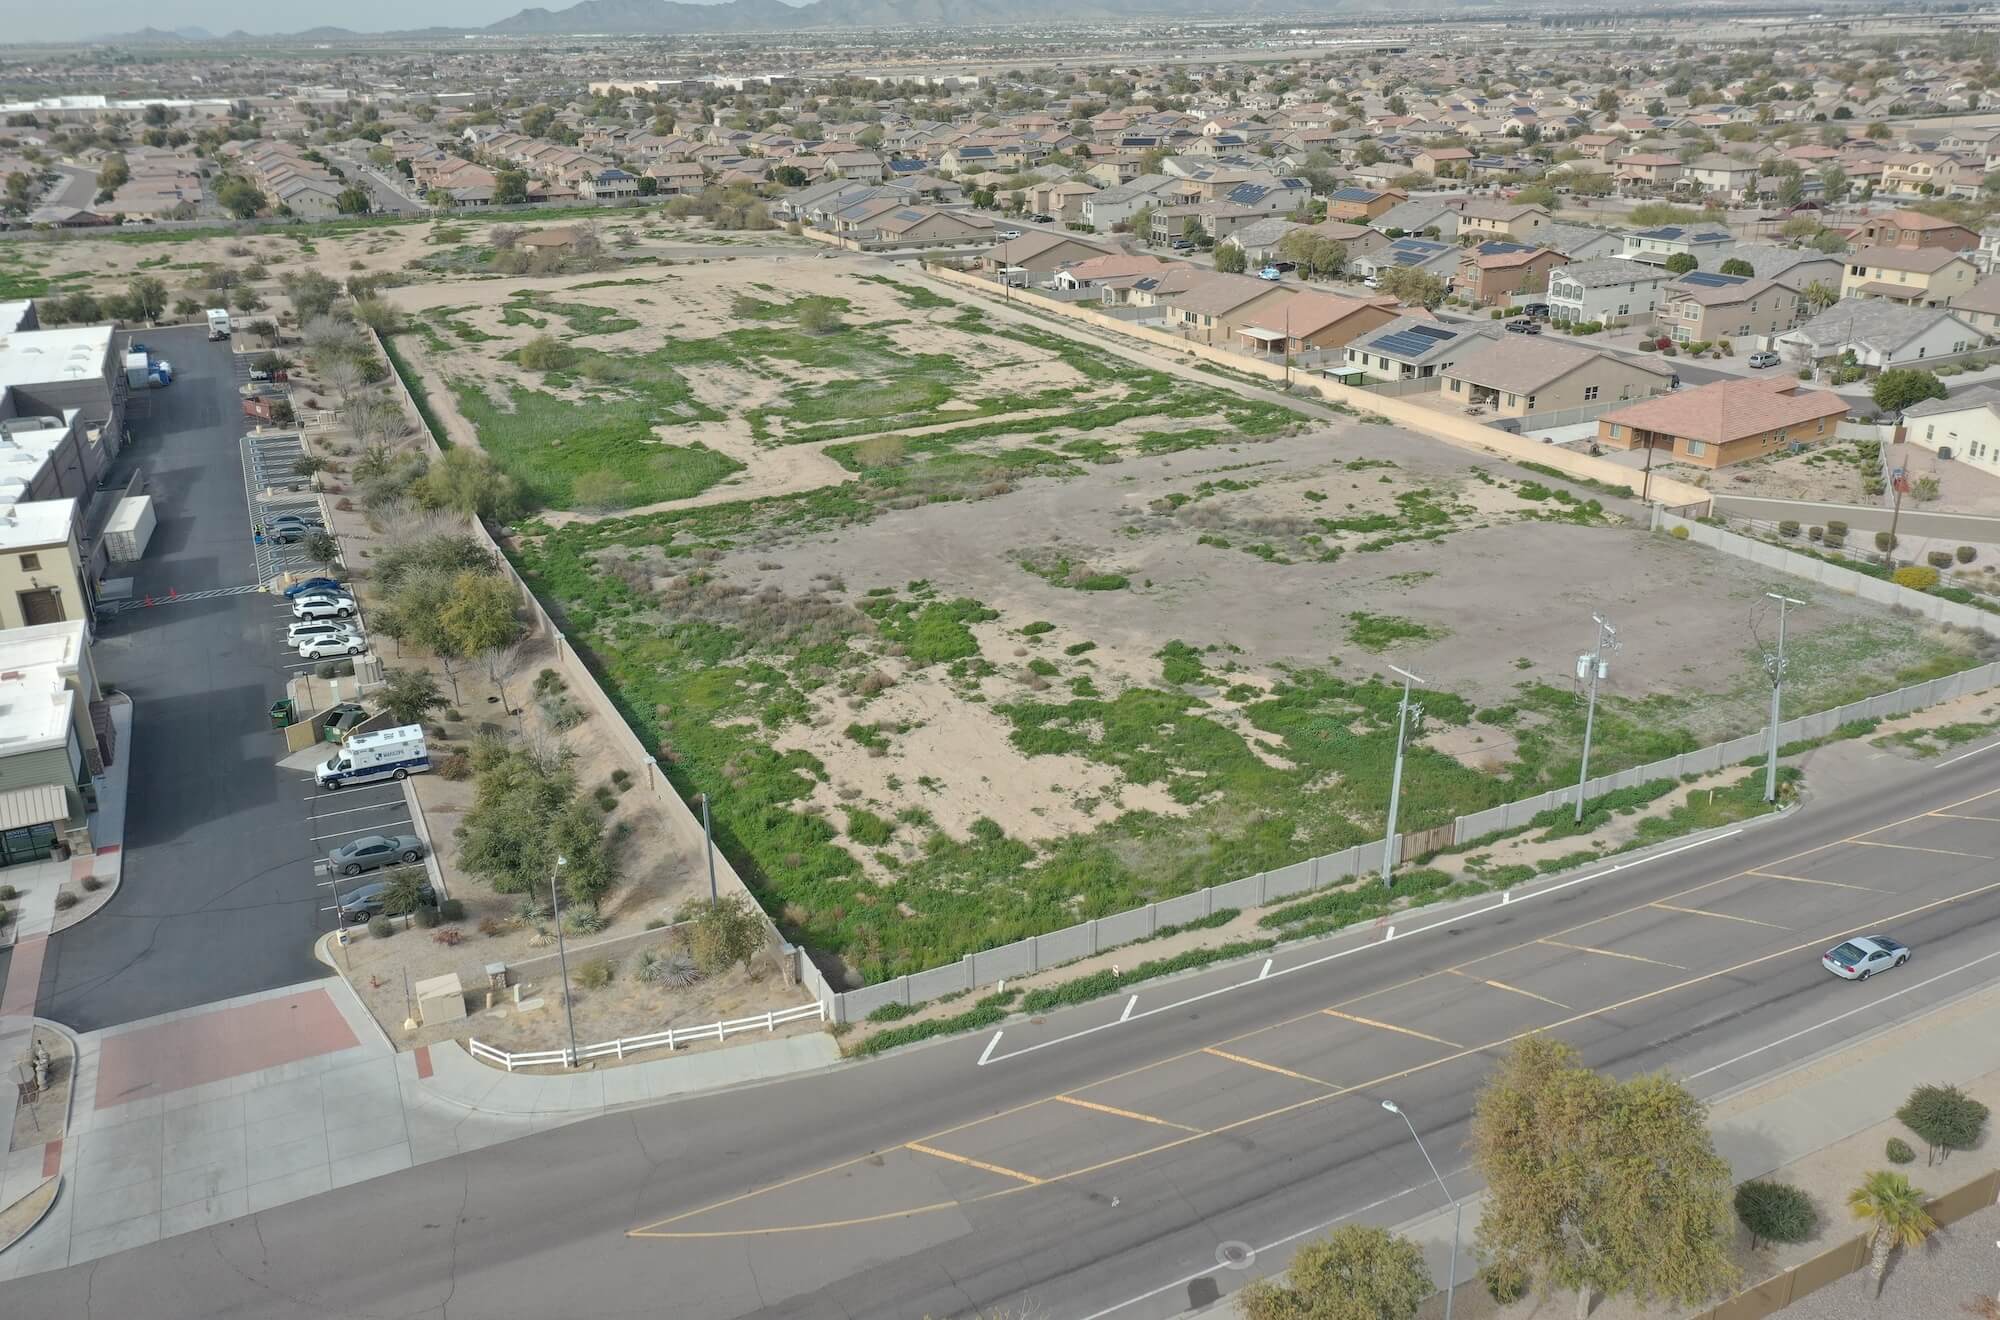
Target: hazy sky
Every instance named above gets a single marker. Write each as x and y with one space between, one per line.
85 18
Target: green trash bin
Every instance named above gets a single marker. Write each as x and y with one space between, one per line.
282 711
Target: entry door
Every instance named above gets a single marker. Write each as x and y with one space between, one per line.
43 606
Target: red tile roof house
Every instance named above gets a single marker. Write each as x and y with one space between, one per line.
1728 421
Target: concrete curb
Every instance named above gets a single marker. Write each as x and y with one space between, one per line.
55 1182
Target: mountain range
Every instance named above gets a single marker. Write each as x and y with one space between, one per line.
668 17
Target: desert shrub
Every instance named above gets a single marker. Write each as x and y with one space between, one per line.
1788 528
668 967
1679 533
1966 554
1885 541
1835 540
1505 1284
583 921
91 884
452 910
381 927
447 935
65 899
1835 527
1899 1152
8 893
594 975
1775 1212
492 927
425 916
891 1011
1917 577
1939 558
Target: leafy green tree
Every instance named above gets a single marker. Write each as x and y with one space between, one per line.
1682 262
352 200
1355 1273
149 296
1945 1117
1905 387
1834 184
240 197
1896 1214
323 549
723 933
504 838
510 188
1599 1185
1412 287
468 482
1229 259
1775 1212
311 293
481 615
1737 266
410 694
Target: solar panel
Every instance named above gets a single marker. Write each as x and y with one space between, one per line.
1433 332
1710 279
1410 343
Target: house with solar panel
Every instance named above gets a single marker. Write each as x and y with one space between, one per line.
1361 204
1703 306
1416 347
1439 259
1708 244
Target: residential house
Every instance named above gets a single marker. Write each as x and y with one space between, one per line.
1213 310
1724 176
1649 169
1040 253
1580 242
1361 204
1879 333
1703 306
1908 172
608 185
1218 220
1113 267
1483 218
1311 320
1726 421
1115 206
1981 306
1606 290
909 226
1416 347
1422 216
1708 245
1436 161
1914 229
1519 376
1439 259
1259 240
1063 200
1499 272
1599 146
1930 277
1964 428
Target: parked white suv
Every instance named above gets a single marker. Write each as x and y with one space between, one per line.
1766 358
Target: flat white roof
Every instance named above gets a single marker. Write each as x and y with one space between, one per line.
39 522
32 357
13 313
35 706
60 644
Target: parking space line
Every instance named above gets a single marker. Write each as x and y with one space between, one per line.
1004 1172
1124 1113
349 811
1808 880
365 829
1510 989
1385 1026
1610 953
1720 916
1267 1067
1911 847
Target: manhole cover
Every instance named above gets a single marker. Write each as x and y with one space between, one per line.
1235 1255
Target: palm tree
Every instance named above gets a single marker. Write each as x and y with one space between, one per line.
1821 295
1897 1211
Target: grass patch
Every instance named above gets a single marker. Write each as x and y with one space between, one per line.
1379 632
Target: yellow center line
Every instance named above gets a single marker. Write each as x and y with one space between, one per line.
1124 1113
1510 989
1267 1067
1911 847
1720 916
1004 1172
652 1230
1808 880
1610 953
1386 1026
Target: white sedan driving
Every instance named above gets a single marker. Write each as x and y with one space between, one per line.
1863 956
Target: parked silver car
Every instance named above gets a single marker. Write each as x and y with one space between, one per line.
371 852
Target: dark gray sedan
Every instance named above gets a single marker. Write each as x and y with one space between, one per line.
371 852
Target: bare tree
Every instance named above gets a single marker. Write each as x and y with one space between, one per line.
502 663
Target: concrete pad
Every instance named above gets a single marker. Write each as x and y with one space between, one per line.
346 1143
113 1238
202 1149
269 1162
102 1206
372 1164
217 1115
204 1182
269 1133
192 1215
291 1187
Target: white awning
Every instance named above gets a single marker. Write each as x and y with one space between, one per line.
43 804
1263 336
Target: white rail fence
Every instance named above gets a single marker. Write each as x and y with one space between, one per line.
672 1039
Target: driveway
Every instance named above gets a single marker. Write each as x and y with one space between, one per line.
218 896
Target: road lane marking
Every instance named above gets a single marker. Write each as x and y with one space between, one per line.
1963 755
1611 953
1910 847
1332 1093
989 1047
1124 1113
1720 916
1386 1026
1808 880
1267 1067
1510 989
967 1160
1959 815
1841 1017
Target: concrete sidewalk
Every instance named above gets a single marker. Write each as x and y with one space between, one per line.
208 1114
1778 1123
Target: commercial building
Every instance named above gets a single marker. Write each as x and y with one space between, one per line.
55 740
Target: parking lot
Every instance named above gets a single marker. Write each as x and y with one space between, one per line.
219 896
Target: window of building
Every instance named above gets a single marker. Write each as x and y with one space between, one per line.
31 563
1589 393
1696 448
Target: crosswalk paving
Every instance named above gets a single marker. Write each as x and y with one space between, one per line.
177 597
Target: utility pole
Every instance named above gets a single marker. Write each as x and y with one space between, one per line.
1899 481
1396 780
562 954
1593 665
1776 664
708 842
1451 1285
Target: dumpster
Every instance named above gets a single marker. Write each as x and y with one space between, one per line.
281 713
340 721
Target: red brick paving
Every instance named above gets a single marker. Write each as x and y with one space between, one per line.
24 978
423 1061
227 1042
52 1158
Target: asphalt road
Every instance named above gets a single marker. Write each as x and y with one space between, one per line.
1099 1164
218 896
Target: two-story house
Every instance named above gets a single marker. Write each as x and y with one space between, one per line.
1925 277
1483 218
1606 290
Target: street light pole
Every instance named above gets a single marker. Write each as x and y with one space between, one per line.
1777 666
1396 780
1595 664
562 955
1457 1211
708 843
